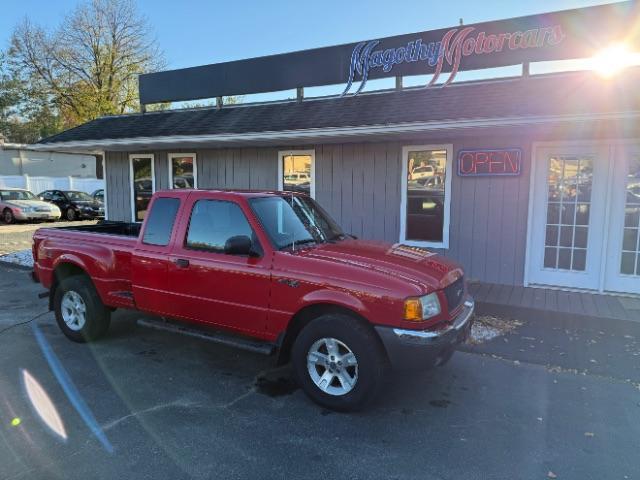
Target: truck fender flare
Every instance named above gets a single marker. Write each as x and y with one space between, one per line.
310 305
334 297
65 259
72 259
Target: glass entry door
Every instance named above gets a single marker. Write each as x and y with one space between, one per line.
568 216
623 259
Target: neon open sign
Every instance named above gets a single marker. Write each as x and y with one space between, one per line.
501 162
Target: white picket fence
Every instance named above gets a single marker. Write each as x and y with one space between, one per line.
40 184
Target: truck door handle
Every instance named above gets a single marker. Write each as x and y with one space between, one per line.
181 262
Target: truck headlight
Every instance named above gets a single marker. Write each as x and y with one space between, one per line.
417 309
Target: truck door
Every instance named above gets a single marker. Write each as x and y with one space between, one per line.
210 286
151 256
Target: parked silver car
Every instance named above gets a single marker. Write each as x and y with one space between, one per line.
19 204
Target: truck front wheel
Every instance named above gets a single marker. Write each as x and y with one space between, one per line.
79 311
339 362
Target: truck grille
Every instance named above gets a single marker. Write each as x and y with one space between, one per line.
455 293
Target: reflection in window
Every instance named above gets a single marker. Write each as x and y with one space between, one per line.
630 260
142 172
569 184
183 171
161 220
296 173
426 175
213 222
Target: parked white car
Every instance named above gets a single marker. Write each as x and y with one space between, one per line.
423 171
19 204
297 178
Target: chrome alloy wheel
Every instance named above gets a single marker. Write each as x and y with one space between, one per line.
73 310
332 366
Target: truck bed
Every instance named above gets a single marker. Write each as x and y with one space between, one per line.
109 228
103 251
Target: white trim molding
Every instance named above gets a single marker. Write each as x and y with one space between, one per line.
171 156
285 153
104 179
447 195
132 156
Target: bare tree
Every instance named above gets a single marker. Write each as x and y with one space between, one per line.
89 66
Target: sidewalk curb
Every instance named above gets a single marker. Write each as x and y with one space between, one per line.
547 318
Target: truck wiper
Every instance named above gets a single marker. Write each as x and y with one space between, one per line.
298 242
336 237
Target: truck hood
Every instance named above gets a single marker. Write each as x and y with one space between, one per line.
425 269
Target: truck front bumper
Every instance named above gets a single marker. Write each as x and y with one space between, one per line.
421 349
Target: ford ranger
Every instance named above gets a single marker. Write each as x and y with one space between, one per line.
272 271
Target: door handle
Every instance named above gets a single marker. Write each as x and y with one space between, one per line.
181 262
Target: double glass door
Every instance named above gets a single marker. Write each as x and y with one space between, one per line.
585 217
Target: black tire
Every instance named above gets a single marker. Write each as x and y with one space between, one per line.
70 214
7 216
365 345
97 316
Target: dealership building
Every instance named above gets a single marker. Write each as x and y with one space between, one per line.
526 180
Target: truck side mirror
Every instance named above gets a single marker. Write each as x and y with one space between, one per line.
238 245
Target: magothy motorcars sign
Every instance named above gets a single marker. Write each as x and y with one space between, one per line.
566 34
455 44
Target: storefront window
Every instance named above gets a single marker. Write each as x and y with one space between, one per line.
142 184
425 196
296 172
182 170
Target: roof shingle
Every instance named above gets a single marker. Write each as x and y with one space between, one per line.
559 94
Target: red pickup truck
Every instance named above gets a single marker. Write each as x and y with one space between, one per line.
268 270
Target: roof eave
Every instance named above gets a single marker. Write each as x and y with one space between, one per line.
331 133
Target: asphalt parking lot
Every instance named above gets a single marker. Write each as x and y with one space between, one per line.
17 236
150 404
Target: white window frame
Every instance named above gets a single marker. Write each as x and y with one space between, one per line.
286 153
448 147
170 158
151 157
104 179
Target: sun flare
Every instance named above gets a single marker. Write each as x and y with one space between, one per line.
612 60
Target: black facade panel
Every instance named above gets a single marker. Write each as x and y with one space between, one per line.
579 33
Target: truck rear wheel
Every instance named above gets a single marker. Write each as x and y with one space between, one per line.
80 313
339 362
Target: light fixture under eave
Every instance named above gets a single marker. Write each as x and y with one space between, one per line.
612 60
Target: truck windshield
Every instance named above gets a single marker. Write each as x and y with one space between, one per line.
292 221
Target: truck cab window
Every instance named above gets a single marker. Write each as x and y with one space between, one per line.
160 223
213 222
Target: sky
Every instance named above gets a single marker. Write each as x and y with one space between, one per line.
198 32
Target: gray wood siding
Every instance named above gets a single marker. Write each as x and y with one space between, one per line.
488 227
359 185
118 186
